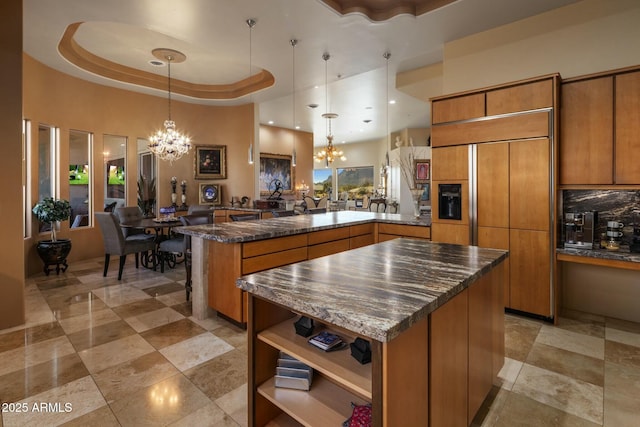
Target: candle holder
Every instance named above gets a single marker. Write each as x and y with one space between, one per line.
183 186
174 196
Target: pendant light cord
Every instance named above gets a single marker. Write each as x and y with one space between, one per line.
169 58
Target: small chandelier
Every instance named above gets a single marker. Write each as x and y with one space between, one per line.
169 144
330 153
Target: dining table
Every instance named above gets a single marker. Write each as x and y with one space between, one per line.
162 229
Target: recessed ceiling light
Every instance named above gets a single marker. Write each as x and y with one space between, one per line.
156 63
297 127
312 105
270 122
392 101
367 120
368 108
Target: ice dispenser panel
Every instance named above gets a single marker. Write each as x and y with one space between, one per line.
450 201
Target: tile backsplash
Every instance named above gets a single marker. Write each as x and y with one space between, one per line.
611 205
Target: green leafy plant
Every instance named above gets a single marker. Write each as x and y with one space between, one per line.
51 210
146 195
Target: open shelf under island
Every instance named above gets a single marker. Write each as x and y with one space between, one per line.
432 312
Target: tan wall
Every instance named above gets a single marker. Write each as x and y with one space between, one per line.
582 38
66 102
12 310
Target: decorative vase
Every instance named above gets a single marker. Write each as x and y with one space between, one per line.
416 193
54 253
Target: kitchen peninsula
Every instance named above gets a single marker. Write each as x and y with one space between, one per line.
223 252
432 312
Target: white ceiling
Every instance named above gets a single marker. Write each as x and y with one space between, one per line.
215 38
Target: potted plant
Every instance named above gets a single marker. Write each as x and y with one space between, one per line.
146 196
53 251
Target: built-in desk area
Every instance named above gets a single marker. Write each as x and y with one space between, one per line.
223 252
432 312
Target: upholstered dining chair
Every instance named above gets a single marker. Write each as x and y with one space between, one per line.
244 217
195 219
115 242
129 214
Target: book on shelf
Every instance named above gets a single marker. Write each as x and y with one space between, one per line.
292 373
325 340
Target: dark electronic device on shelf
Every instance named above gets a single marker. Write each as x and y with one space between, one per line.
361 350
304 326
580 230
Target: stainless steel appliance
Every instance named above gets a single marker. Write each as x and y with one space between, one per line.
580 230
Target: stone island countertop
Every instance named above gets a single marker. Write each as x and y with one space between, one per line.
376 291
246 231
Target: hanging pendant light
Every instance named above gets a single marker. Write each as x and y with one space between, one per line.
251 23
293 42
330 153
169 144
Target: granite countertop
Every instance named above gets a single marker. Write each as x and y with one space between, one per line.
376 291
246 231
622 254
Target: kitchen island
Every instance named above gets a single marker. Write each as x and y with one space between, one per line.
432 312
223 252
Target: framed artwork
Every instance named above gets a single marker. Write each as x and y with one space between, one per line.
210 162
276 174
426 193
209 194
422 171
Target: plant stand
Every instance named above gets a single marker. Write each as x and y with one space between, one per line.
54 253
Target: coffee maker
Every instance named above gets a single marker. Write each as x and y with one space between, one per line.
580 229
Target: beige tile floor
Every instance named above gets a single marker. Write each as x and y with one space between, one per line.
105 353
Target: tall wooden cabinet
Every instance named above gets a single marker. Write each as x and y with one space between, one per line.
508 184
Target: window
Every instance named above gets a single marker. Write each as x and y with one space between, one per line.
80 178
147 171
115 158
356 182
26 177
322 182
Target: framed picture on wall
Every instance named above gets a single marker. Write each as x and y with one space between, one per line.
422 171
209 194
276 174
210 162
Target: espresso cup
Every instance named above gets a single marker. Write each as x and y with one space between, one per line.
614 224
614 233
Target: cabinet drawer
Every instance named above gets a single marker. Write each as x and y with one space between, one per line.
323 236
277 259
322 249
359 230
360 241
405 230
261 247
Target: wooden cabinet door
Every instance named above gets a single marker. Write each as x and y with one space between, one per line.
493 185
627 166
530 271
586 139
529 182
498 238
448 363
523 97
450 233
450 163
458 108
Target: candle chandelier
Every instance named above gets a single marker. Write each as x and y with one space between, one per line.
329 153
169 144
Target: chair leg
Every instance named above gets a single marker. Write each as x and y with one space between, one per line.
121 267
187 266
106 264
161 260
137 259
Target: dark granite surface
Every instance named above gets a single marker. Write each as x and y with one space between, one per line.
377 291
246 231
621 254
